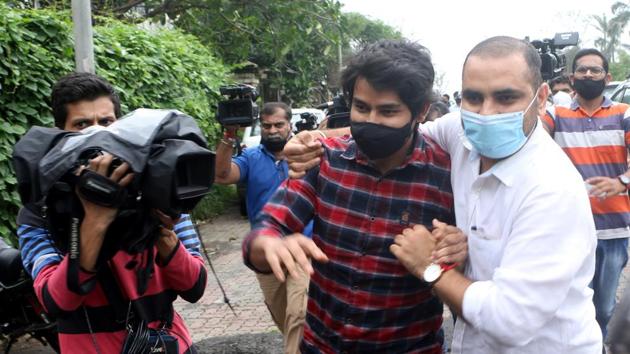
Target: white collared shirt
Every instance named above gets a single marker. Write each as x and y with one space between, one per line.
531 244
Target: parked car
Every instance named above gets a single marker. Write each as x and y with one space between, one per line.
622 92
611 87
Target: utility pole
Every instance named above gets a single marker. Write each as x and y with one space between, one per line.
339 50
83 39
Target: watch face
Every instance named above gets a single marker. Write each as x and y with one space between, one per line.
432 273
624 179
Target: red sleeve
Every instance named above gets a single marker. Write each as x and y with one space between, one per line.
185 273
288 211
549 122
51 287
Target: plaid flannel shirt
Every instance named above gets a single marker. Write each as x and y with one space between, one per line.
364 299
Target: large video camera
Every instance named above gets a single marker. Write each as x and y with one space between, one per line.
240 108
337 112
308 121
554 62
165 149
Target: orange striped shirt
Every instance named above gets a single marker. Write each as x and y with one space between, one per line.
597 144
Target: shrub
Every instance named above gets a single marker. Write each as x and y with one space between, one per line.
150 68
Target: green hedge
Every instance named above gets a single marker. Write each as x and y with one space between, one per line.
150 68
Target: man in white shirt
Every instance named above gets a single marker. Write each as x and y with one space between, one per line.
524 207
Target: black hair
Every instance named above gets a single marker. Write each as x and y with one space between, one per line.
502 46
76 87
447 96
562 79
589 51
439 107
271 107
400 65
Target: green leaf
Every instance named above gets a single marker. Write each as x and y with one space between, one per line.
31 86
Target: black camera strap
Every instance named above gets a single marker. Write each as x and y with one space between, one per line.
74 253
144 273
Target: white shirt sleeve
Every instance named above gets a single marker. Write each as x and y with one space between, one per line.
444 131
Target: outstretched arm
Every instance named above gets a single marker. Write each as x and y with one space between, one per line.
268 247
226 171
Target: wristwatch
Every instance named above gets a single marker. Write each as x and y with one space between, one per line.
434 271
625 180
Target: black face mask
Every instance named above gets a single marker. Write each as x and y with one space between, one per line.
378 141
273 145
589 89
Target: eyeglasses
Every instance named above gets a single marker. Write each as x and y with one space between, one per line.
595 70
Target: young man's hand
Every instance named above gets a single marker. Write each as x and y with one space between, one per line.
289 252
418 247
168 239
413 249
102 216
303 152
98 218
451 246
605 187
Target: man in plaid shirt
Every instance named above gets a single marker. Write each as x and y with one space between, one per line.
366 190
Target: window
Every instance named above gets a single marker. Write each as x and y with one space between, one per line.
618 96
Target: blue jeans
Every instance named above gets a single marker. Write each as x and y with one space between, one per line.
611 257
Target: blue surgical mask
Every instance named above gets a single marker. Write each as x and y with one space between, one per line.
496 136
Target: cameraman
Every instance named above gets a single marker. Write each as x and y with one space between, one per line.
87 322
263 168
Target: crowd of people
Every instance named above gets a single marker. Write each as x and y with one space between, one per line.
509 204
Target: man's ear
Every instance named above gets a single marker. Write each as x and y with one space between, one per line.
422 115
608 78
543 93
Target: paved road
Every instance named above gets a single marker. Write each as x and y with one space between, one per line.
214 327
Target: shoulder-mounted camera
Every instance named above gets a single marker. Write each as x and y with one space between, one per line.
165 149
553 61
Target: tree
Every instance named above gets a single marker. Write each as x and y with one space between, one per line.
439 83
291 41
621 13
294 43
621 69
360 30
610 31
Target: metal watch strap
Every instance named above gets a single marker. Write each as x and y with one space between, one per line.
625 180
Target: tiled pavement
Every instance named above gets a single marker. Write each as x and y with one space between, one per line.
211 317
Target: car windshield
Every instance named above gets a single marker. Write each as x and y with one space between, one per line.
609 89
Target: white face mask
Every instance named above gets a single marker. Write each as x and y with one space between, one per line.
496 136
562 98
